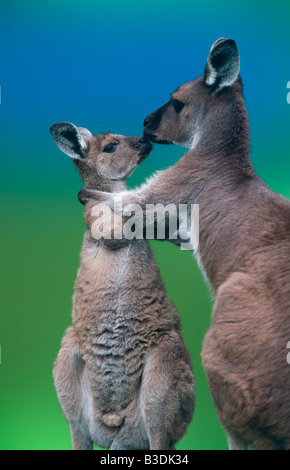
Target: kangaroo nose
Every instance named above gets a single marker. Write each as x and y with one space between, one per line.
143 140
147 121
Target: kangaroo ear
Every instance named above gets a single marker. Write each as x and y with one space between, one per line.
223 64
70 139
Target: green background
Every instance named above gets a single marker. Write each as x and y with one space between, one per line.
105 66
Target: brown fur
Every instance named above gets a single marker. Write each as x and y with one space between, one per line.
123 375
244 251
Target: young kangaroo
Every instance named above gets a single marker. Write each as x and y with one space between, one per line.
123 375
244 248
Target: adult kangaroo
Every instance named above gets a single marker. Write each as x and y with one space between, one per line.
244 248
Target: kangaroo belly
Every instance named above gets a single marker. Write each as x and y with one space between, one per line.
115 364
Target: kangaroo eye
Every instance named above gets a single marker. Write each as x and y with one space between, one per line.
110 148
177 105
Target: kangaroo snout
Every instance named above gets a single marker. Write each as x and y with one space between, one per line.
142 146
151 126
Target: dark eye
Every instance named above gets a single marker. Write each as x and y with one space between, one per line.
110 148
177 105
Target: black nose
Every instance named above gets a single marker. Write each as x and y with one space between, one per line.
143 140
147 122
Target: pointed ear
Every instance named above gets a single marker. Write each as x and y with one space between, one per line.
223 64
70 139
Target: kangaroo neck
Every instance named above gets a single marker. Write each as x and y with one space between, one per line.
222 190
221 175
220 155
93 180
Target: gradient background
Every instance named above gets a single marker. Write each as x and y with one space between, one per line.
105 65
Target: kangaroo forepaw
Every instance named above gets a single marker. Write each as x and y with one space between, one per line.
83 196
86 194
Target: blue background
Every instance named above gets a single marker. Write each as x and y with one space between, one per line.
105 66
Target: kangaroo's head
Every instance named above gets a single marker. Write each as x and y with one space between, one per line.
202 106
103 157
